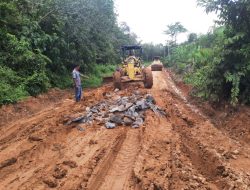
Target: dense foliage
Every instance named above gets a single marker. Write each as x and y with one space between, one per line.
196 60
41 40
151 50
218 64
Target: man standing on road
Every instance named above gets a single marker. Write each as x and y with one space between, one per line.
77 83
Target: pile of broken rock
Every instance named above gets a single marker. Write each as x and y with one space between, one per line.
128 111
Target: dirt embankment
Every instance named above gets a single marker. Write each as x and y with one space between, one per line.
235 121
31 105
184 150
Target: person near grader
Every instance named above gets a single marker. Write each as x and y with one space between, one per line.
76 75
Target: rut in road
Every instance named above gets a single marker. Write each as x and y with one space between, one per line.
119 167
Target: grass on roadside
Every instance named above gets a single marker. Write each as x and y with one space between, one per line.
95 79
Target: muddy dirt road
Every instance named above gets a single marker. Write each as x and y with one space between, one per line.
183 150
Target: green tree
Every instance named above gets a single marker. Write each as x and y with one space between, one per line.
173 30
234 66
192 37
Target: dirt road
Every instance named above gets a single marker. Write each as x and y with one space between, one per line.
184 150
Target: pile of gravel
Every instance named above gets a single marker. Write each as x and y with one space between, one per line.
118 111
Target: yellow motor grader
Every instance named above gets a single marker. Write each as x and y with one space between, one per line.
132 69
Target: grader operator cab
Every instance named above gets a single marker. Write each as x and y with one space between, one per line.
132 69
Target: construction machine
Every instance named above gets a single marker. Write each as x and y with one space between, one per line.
157 64
132 69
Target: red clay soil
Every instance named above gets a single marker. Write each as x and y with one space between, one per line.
185 150
235 121
31 105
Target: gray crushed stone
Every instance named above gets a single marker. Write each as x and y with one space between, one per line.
117 111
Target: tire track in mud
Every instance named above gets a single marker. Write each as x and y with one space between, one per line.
25 127
97 166
199 142
118 176
152 164
115 171
166 166
46 160
93 151
36 159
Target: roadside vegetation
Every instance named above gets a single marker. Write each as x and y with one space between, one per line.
217 64
42 40
196 60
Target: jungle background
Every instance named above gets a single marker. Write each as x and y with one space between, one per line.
42 40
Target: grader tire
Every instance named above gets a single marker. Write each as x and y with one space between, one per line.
148 78
117 80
